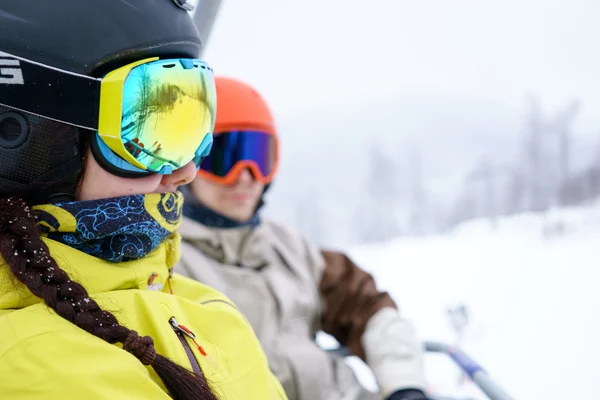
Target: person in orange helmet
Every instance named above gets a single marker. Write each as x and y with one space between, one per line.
288 289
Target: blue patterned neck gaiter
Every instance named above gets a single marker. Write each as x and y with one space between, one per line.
116 229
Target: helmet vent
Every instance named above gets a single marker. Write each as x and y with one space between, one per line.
14 130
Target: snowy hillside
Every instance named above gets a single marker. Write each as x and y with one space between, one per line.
534 303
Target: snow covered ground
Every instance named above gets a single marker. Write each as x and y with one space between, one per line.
533 300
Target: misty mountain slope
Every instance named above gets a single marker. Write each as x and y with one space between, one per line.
344 163
327 154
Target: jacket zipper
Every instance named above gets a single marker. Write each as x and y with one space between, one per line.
181 334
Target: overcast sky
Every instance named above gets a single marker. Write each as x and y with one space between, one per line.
307 52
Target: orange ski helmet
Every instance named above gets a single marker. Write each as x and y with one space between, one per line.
241 107
244 137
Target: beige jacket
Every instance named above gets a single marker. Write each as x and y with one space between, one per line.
274 276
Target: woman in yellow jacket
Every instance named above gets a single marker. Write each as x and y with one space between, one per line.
104 112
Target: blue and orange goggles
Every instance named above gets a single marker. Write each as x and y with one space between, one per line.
234 151
150 116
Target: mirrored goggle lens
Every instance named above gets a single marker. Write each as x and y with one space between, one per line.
168 110
231 147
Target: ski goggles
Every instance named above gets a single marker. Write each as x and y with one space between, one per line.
150 116
234 151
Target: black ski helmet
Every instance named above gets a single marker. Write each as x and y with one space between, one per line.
42 159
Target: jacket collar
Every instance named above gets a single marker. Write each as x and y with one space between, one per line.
96 275
244 246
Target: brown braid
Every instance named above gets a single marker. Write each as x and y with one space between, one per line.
30 261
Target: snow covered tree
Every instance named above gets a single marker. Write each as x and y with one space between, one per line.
378 212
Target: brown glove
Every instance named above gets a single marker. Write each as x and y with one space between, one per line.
351 299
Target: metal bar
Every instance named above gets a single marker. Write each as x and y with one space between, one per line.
471 368
204 16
